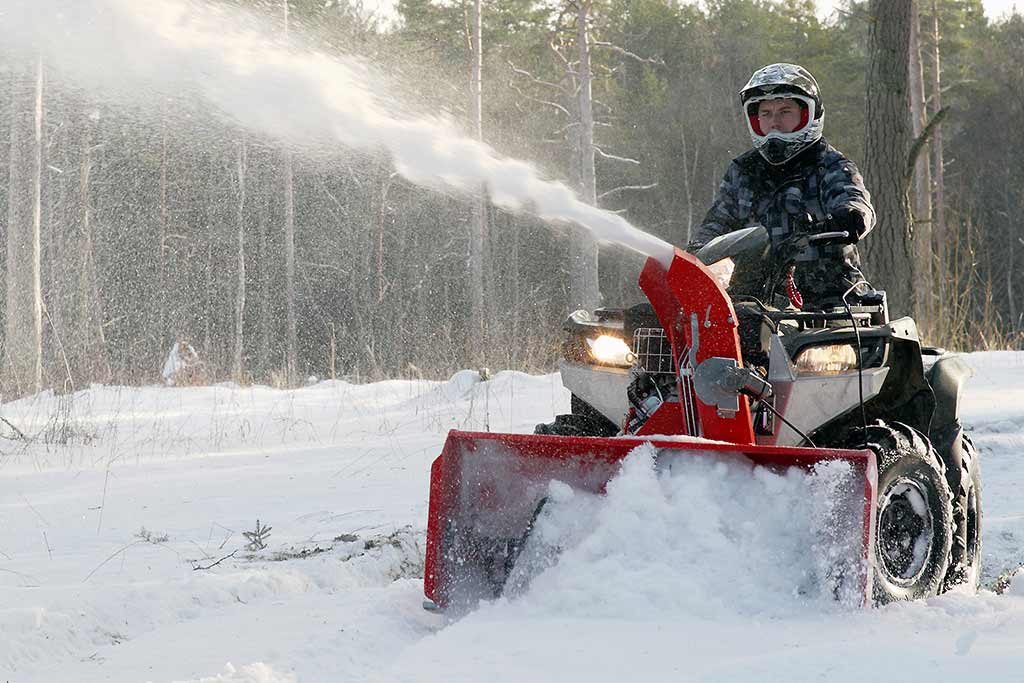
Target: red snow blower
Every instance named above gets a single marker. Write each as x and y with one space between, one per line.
696 374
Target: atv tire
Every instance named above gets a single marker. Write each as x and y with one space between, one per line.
965 555
913 516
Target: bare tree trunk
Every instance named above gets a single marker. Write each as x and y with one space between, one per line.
1010 269
687 185
922 204
939 224
264 268
291 359
1015 322
237 368
24 324
478 224
161 292
583 285
292 354
91 306
889 254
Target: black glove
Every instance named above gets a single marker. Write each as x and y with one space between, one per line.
845 220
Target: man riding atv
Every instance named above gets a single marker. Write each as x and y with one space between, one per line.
791 181
799 352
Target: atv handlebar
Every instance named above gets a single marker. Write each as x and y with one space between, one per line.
841 235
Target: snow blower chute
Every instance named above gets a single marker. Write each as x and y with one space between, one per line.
486 489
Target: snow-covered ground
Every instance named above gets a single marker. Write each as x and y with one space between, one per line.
123 554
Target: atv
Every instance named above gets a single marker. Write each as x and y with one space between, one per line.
841 376
695 372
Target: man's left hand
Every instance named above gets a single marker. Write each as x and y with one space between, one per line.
845 220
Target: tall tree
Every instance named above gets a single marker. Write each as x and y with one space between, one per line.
583 254
24 314
922 187
889 252
292 334
477 336
939 212
239 347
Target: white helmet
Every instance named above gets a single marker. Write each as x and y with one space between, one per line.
783 81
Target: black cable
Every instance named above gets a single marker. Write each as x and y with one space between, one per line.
860 360
792 426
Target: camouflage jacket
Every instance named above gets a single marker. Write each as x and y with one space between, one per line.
818 181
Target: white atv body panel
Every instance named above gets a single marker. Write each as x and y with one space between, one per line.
602 387
812 400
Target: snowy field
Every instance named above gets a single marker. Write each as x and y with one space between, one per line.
124 554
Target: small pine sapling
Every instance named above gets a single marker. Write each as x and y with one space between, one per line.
258 538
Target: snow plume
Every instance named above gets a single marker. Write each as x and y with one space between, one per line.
700 535
245 68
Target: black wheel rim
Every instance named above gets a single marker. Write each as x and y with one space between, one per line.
905 532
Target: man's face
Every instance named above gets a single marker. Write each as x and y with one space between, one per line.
782 115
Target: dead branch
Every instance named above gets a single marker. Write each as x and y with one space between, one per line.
547 103
922 139
17 431
658 61
110 557
534 79
623 188
614 157
198 567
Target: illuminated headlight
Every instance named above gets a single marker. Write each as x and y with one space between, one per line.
834 359
610 350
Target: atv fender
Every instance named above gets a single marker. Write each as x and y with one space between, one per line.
947 377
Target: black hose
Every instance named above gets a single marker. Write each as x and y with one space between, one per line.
860 360
792 426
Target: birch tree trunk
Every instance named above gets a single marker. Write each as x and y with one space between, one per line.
477 338
161 292
24 323
292 352
583 285
922 188
889 253
939 224
90 314
237 368
263 346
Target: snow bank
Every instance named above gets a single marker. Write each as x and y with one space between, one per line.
251 673
697 569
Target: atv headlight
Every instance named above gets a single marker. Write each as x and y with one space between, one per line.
833 359
609 350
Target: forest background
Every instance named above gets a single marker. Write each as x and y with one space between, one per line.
129 229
